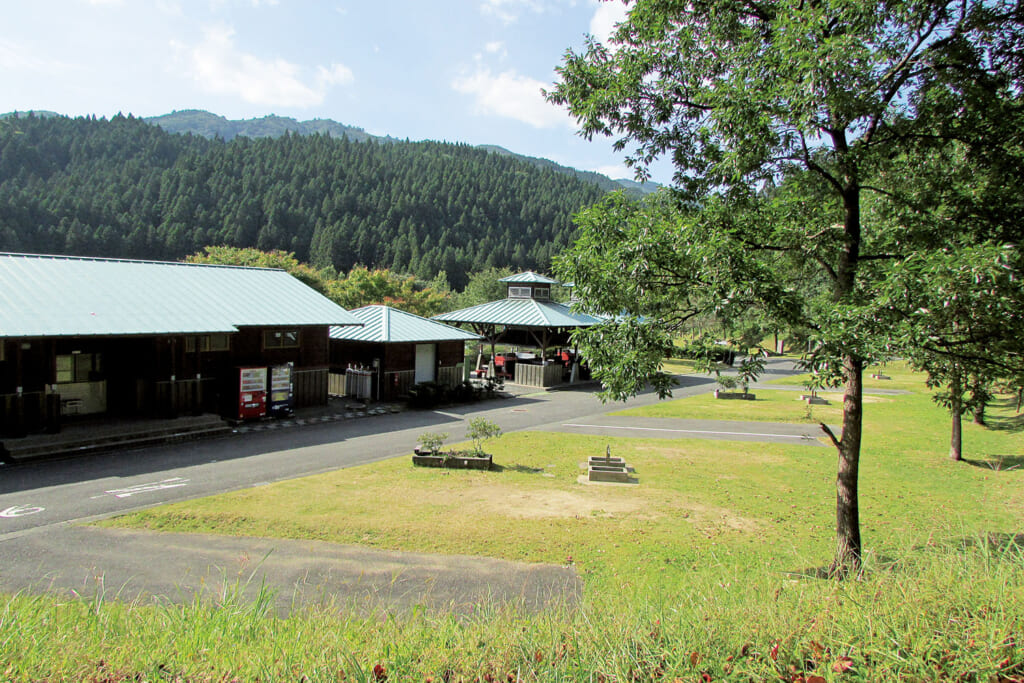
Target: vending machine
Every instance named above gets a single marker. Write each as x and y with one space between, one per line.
252 393
282 390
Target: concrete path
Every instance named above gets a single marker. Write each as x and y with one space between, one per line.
129 565
677 428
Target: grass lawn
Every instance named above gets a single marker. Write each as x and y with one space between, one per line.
768 406
703 571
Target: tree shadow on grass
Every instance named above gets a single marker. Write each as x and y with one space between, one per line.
996 541
522 469
1008 423
999 463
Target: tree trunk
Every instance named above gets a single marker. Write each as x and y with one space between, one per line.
979 399
848 544
955 439
956 407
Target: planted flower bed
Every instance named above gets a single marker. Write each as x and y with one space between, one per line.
459 460
428 452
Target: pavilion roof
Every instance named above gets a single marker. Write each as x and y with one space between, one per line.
529 277
521 313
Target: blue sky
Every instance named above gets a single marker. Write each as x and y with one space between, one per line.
458 70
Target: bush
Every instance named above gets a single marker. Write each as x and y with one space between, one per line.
480 430
432 441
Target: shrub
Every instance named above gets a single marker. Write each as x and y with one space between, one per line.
432 441
480 430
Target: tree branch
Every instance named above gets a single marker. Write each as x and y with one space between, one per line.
831 435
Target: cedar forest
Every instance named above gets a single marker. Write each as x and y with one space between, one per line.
123 188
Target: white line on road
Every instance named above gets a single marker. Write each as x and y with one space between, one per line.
690 431
171 483
20 511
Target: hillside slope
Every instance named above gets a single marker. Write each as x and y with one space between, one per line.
124 188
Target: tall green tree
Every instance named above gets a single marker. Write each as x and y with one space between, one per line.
785 122
254 258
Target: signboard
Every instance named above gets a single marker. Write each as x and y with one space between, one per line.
252 393
282 390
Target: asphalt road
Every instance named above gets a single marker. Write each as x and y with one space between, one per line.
41 549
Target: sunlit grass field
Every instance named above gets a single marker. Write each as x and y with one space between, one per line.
707 569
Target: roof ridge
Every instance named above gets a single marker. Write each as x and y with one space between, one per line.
108 259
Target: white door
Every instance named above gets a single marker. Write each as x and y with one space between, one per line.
426 362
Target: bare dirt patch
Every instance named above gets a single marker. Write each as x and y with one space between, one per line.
546 504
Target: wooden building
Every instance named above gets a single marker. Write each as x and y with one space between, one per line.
392 351
103 337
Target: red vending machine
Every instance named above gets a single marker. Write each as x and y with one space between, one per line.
252 393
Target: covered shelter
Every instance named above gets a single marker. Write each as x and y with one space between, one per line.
120 338
393 351
529 317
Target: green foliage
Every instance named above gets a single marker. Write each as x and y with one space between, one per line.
480 431
433 441
254 258
362 286
124 188
811 144
481 287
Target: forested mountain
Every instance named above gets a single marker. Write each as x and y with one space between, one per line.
124 188
210 125
604 182
199 122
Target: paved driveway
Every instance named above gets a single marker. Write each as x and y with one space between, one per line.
129 565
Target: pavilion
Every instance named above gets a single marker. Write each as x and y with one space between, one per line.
527 317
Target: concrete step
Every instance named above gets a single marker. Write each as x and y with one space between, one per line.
98 438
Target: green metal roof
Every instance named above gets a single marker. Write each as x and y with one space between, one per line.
390 325
529 277
520 313
54 296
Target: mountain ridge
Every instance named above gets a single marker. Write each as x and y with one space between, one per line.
210 125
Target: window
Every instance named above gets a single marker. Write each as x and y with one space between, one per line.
283 339
208 342
519 292
542 293
216 342
78 367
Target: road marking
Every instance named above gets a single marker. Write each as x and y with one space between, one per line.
172 483
691 431
20 511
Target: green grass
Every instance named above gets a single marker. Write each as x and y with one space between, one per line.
705 567
768 406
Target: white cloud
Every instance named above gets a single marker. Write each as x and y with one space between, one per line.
495 47
511 95
15 57
605 17
336 74
220 68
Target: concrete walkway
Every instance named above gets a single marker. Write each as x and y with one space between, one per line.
128 565
678 428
